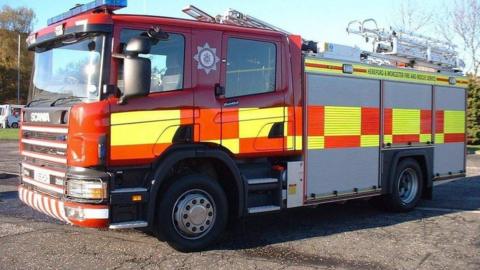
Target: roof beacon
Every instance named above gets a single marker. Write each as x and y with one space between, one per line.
109 5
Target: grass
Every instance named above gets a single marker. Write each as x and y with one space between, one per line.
8 134
472 148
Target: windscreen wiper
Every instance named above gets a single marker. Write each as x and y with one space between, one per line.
35 101
70 98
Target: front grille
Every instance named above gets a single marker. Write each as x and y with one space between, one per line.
44 136
44 151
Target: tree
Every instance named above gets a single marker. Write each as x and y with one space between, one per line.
461 25
14 22
411 17
473 112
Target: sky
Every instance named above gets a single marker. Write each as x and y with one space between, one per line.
319 20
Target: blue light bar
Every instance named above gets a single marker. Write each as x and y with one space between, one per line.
106 4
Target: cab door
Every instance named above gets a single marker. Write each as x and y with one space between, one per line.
144 127
253 102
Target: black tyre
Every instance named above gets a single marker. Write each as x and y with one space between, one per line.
407 187
192 213
14 125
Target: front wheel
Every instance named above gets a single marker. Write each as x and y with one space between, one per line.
407 187
14 125
192 213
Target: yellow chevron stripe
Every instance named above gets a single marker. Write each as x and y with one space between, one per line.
143 116
256 122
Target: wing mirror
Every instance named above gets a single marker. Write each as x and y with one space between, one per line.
137 70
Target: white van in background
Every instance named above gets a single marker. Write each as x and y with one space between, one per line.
10 116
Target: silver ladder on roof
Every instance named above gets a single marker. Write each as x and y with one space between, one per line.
231 17
391 47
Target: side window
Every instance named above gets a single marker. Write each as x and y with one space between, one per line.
167 58
251 67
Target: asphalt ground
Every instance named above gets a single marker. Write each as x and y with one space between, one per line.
443 233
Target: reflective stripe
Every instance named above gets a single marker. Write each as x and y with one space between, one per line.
53 206
367 71
232 144
370 140
342 121
454 122
316 142
91 213
61 207
46 204
405 121
144 116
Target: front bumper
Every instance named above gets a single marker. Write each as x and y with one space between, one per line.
80 214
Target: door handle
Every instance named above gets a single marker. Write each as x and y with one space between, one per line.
219 90
231 103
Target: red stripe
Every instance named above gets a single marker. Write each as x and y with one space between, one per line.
324 66
231 124
131 152
370 121
387 122
91 223
361 70
406 138
439 118
454 137
316 122
342 141
209 121
426 121
261 144
291 121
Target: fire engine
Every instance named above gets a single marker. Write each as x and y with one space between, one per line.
180 126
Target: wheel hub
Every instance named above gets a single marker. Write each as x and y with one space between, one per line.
407 185
193 214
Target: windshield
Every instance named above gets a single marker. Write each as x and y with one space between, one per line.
69 70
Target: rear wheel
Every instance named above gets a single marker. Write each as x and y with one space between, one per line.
14 125
192 213
406 187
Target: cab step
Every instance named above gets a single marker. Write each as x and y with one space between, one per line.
128 225
263 209
258 181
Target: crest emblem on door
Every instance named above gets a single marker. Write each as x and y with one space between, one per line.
207 58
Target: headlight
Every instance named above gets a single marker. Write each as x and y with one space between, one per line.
87 189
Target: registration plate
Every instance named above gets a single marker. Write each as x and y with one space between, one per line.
41 177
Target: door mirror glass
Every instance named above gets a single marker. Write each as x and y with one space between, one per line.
136 70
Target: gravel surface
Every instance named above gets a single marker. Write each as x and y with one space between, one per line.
441 234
